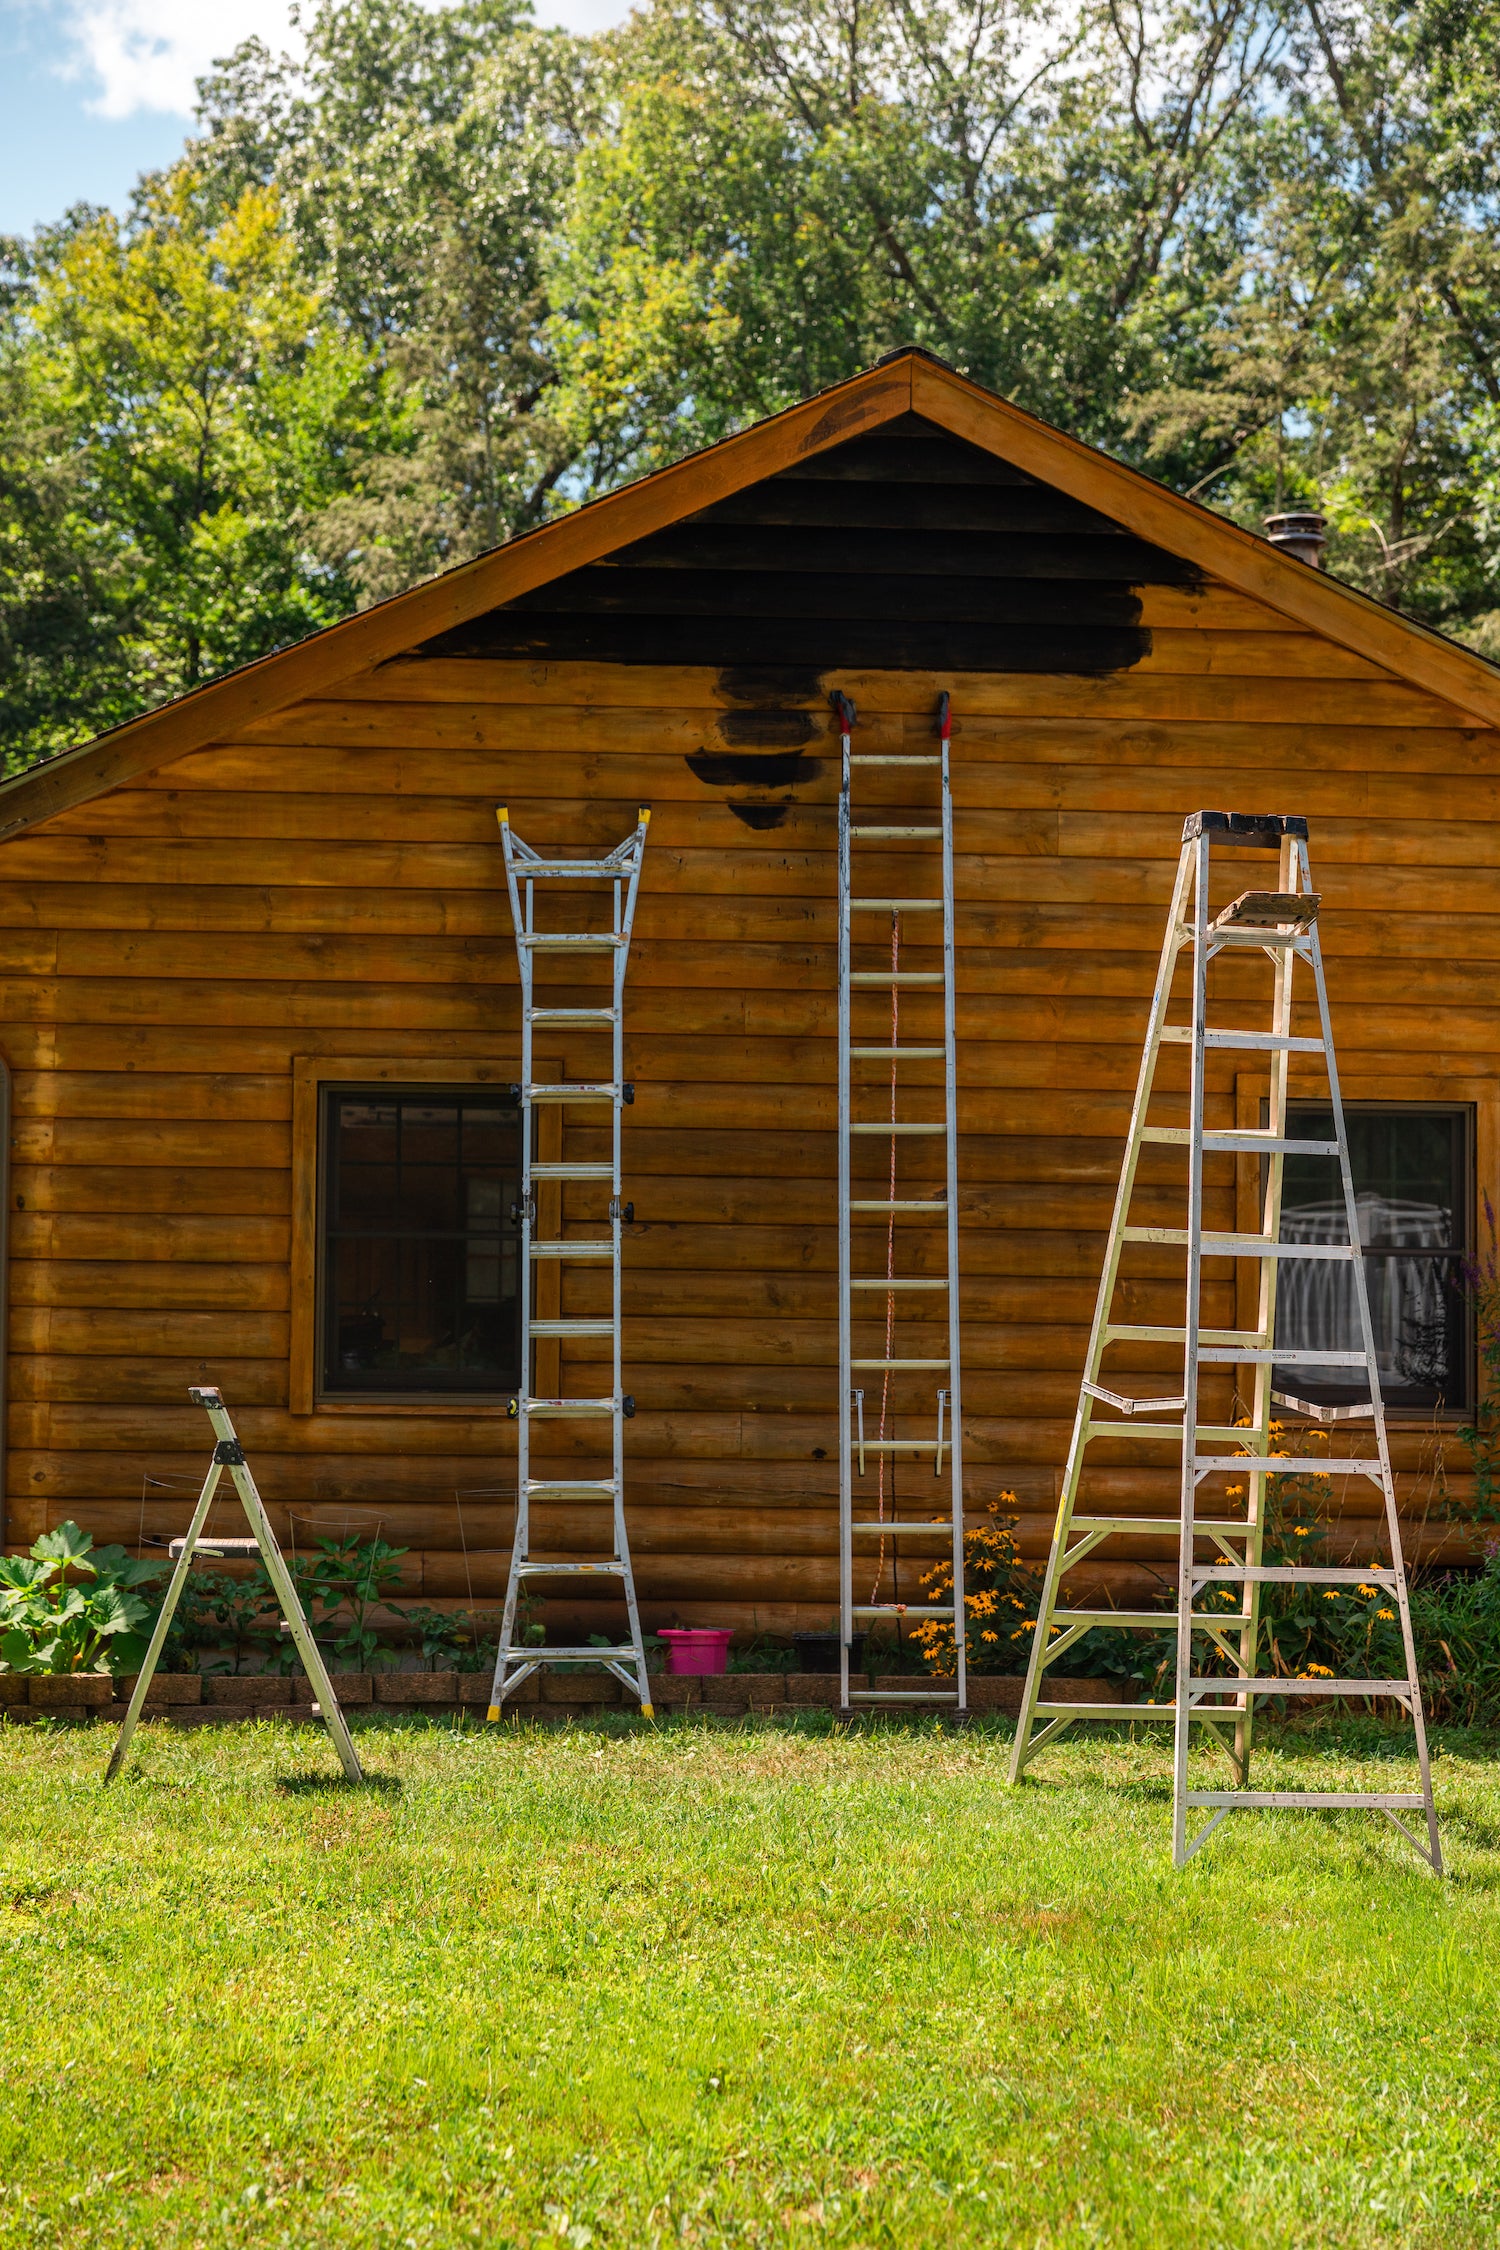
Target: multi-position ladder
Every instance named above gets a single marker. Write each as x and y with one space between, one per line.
1220 1548
263 1545
928 1222
524 870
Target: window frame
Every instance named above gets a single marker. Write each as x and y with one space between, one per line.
314 1077
1468 1111
329 1097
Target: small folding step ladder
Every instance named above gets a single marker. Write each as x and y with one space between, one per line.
1284 924
621 870
928 1227
230 1454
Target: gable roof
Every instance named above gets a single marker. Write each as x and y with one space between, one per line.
909 381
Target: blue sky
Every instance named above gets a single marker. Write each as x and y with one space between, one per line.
94 91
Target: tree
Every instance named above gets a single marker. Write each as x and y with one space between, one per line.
1356 358
186 412
423 157
1046 195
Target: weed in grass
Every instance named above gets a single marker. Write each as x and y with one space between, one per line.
738 1985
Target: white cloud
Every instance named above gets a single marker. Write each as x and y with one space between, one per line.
146 54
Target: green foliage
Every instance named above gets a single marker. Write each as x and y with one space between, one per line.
340 1584
70 1606
449 272
1001 1594
454 1640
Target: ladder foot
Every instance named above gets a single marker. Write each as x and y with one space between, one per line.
648 1711
492 1714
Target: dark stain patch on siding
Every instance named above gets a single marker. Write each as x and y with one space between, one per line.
904 549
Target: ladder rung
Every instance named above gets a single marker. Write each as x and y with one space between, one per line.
1267 1683
1254 1042
1312 1800
900 758
582 941
616 1568
1290 1574
1264 1042
555 1409
571 1328
898 1363
887 1130
899 1695
1228 1431
1105 1711
1273 1356
520 1656
1282 1465
895 905
572 1249
943 1524
1129 1333
206 1546
1249 1143
893 1054
894 1445
1204 1527
1218 938
570 1488
577 1016
885 833
866 1282
918 1610
902 976
572 1172
864 1204
577 1091
1237 1245
1155 1618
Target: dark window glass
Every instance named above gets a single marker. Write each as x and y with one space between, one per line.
419 1247
1411 1169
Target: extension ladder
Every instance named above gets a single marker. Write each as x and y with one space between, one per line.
524 869
230 1454
1284 924
928 1232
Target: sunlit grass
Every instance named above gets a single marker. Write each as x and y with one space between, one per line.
734 1985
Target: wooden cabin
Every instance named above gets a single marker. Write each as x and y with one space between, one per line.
249 928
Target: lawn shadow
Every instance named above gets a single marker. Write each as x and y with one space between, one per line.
335 1784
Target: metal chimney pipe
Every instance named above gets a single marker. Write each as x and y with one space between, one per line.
1304 535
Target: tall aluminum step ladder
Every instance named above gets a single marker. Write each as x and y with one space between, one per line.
905 1382
229 1454
1221 1548
524 870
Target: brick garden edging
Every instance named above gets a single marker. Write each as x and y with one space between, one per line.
216 1699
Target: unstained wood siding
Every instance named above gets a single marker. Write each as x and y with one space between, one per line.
329 884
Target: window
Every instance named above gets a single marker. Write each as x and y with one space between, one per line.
417 1242
1412 1168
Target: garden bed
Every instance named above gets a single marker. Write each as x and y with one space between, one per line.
208 1699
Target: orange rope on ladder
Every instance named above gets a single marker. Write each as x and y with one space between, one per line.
890 1266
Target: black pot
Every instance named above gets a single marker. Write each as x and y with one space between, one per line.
819 1652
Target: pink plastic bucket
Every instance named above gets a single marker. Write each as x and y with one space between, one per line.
697 1648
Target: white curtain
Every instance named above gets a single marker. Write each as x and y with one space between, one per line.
1315 1307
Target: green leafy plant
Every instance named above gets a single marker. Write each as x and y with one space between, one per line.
70 1606
454 1640
1001 1594
340 1584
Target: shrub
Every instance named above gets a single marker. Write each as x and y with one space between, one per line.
70 1606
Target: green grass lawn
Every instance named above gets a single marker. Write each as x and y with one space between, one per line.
740 1985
